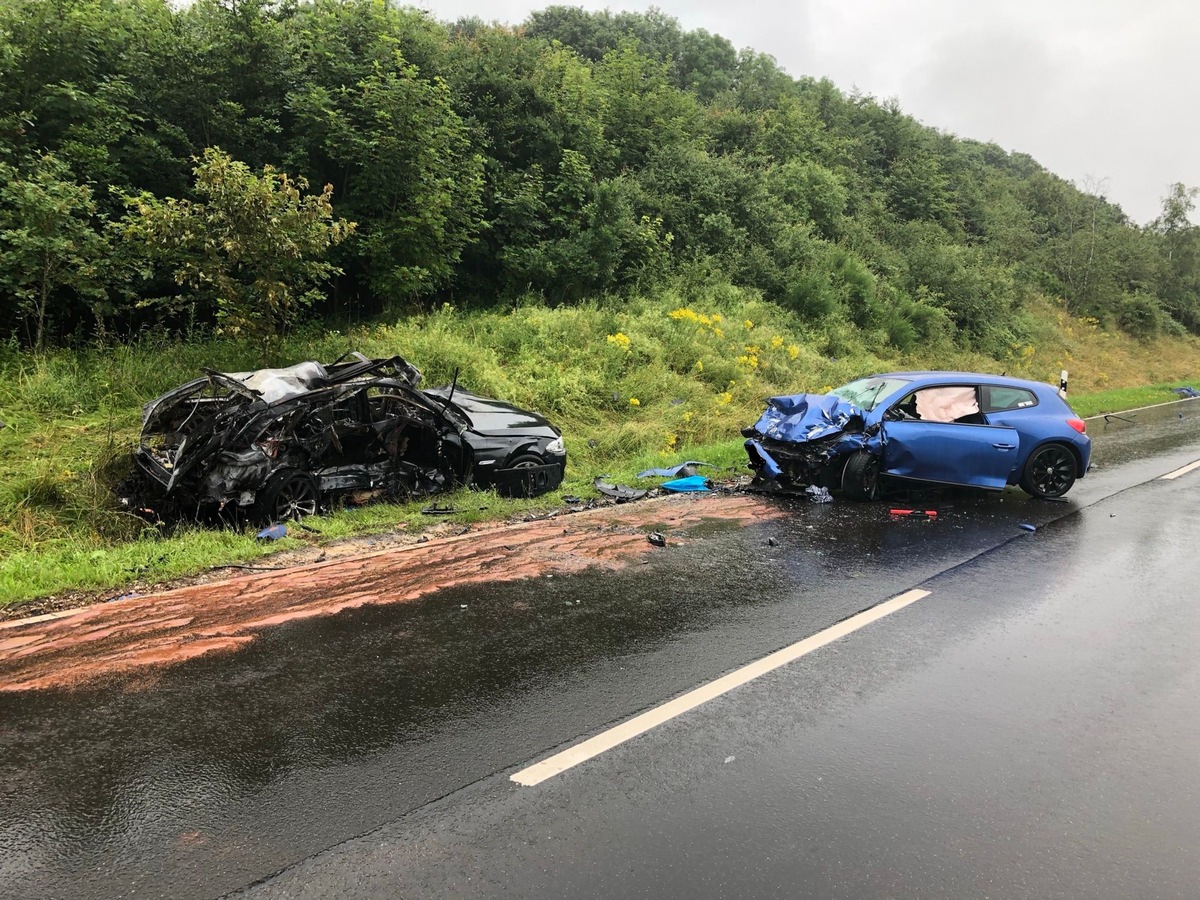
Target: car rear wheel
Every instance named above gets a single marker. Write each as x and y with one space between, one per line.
288 495
860 478
1049 472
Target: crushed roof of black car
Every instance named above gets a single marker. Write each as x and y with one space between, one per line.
283 443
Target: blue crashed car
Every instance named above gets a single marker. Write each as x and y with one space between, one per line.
937 428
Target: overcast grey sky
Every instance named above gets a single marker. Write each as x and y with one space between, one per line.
1098 91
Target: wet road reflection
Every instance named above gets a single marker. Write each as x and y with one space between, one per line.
229 767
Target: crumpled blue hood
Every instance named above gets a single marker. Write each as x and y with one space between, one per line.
805 417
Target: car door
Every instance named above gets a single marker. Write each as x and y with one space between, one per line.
950 445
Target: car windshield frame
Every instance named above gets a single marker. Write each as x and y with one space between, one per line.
866 393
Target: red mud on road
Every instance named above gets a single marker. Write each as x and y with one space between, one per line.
145 632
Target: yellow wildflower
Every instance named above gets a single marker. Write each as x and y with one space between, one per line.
724 397
747 324
620 339
776 342
634 401
793 351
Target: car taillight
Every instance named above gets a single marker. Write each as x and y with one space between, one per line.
1078 424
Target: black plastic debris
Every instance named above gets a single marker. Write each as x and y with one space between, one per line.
818 494
657 539
436 510
622 493
571 498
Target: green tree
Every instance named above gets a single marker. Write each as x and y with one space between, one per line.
257 242
384 130
1179 282
51 245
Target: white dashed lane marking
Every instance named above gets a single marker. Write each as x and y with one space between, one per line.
1190 467
592 747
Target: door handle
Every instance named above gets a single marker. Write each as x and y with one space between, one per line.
1005 446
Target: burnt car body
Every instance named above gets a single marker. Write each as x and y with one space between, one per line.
283 442
936 428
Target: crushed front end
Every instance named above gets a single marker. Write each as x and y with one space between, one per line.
801 439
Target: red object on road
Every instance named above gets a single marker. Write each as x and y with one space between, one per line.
920 513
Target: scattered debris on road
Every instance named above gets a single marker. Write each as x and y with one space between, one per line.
622 493
273 532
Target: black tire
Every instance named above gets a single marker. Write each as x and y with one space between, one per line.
1050 471
536 484
860 478
288 495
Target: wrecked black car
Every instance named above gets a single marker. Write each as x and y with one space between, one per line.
284 443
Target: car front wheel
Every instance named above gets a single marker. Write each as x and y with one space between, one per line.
533 484
1049 472
860 478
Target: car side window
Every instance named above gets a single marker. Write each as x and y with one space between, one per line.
998 398
945 404
904 408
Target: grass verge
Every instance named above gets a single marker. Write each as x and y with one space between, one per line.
633 386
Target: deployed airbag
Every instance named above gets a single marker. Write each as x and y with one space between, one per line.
945 404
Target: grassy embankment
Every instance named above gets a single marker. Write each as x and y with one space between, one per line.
655 381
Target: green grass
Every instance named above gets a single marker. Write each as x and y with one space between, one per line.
633 386
1118 399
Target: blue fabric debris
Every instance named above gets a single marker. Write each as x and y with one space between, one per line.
691 484
273 533
1186 391
673 470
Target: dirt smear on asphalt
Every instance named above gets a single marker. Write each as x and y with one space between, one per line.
146 632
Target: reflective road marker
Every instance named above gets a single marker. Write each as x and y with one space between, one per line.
573 756
1171 476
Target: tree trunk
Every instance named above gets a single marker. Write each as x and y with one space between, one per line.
39 341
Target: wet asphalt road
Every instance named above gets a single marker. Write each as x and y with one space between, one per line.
1029 729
